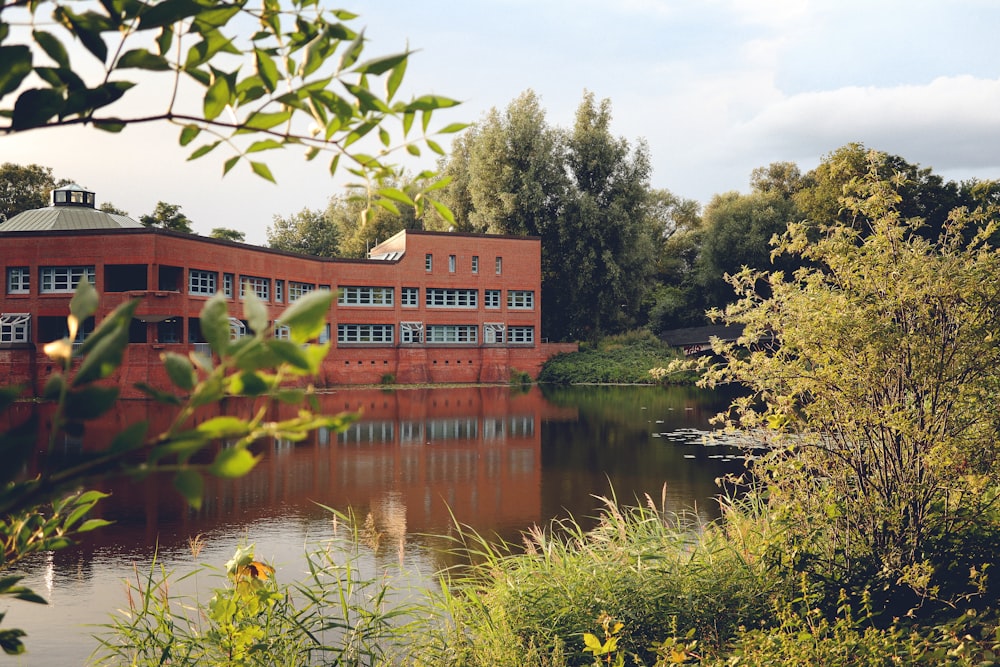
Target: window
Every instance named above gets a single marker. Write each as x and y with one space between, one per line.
410 296
521 335
492 298
227 285
65 278
203 283
365 296
259 286
282 332
452 333
15 328
297 290
18 280
499 264
428 262
520 299
279 291
452 298
411 332
475 263
493 333
237 329
451 263
364 333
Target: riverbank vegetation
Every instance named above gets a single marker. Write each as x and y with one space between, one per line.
620 359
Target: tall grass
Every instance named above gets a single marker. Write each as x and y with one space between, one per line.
654 571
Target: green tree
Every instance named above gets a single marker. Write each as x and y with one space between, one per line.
517 178
227 234
737 232
300 77
604 244
108 207
24 187
875 366
167 216
309 232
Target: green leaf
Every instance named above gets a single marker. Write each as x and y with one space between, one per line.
180 370
263 145
93 524
396 78
204 150
443 210
395 194
254 312
84 302
229 164
233 462
307 317
291 353
167 13
52 47
266 70
189 133
265 121
262 170
381 65
191 485
223 427
165 39
35 107
451 128
15 64
158 395
143 59
217 97
89 402
214 320
132 437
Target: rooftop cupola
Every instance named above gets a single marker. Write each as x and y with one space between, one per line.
73 195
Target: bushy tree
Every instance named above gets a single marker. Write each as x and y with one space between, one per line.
227 234
23 187
309 232
167 216
877 369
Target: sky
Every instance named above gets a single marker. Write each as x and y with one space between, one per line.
715 88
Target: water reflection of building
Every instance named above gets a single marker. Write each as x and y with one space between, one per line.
416 460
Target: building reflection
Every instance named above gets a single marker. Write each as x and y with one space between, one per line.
416 461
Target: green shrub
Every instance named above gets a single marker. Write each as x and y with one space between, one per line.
623 359
640 566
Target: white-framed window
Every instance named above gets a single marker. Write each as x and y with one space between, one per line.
259 286
227 285
297 290
411 332
202 283
410 297
324 335
493 333
438 297
365 296
237 329
499 265
491 298
520 299
521 335
65 278
282 332
279 291
364 333
452 333
452 263
15 328
18 280
475 263
428 262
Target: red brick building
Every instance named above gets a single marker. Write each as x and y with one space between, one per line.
424 307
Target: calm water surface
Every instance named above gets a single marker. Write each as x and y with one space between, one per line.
496 459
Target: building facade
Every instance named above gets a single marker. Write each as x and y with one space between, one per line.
425 307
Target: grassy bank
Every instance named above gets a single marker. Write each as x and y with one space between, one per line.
624 359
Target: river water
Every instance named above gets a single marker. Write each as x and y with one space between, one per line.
495 459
